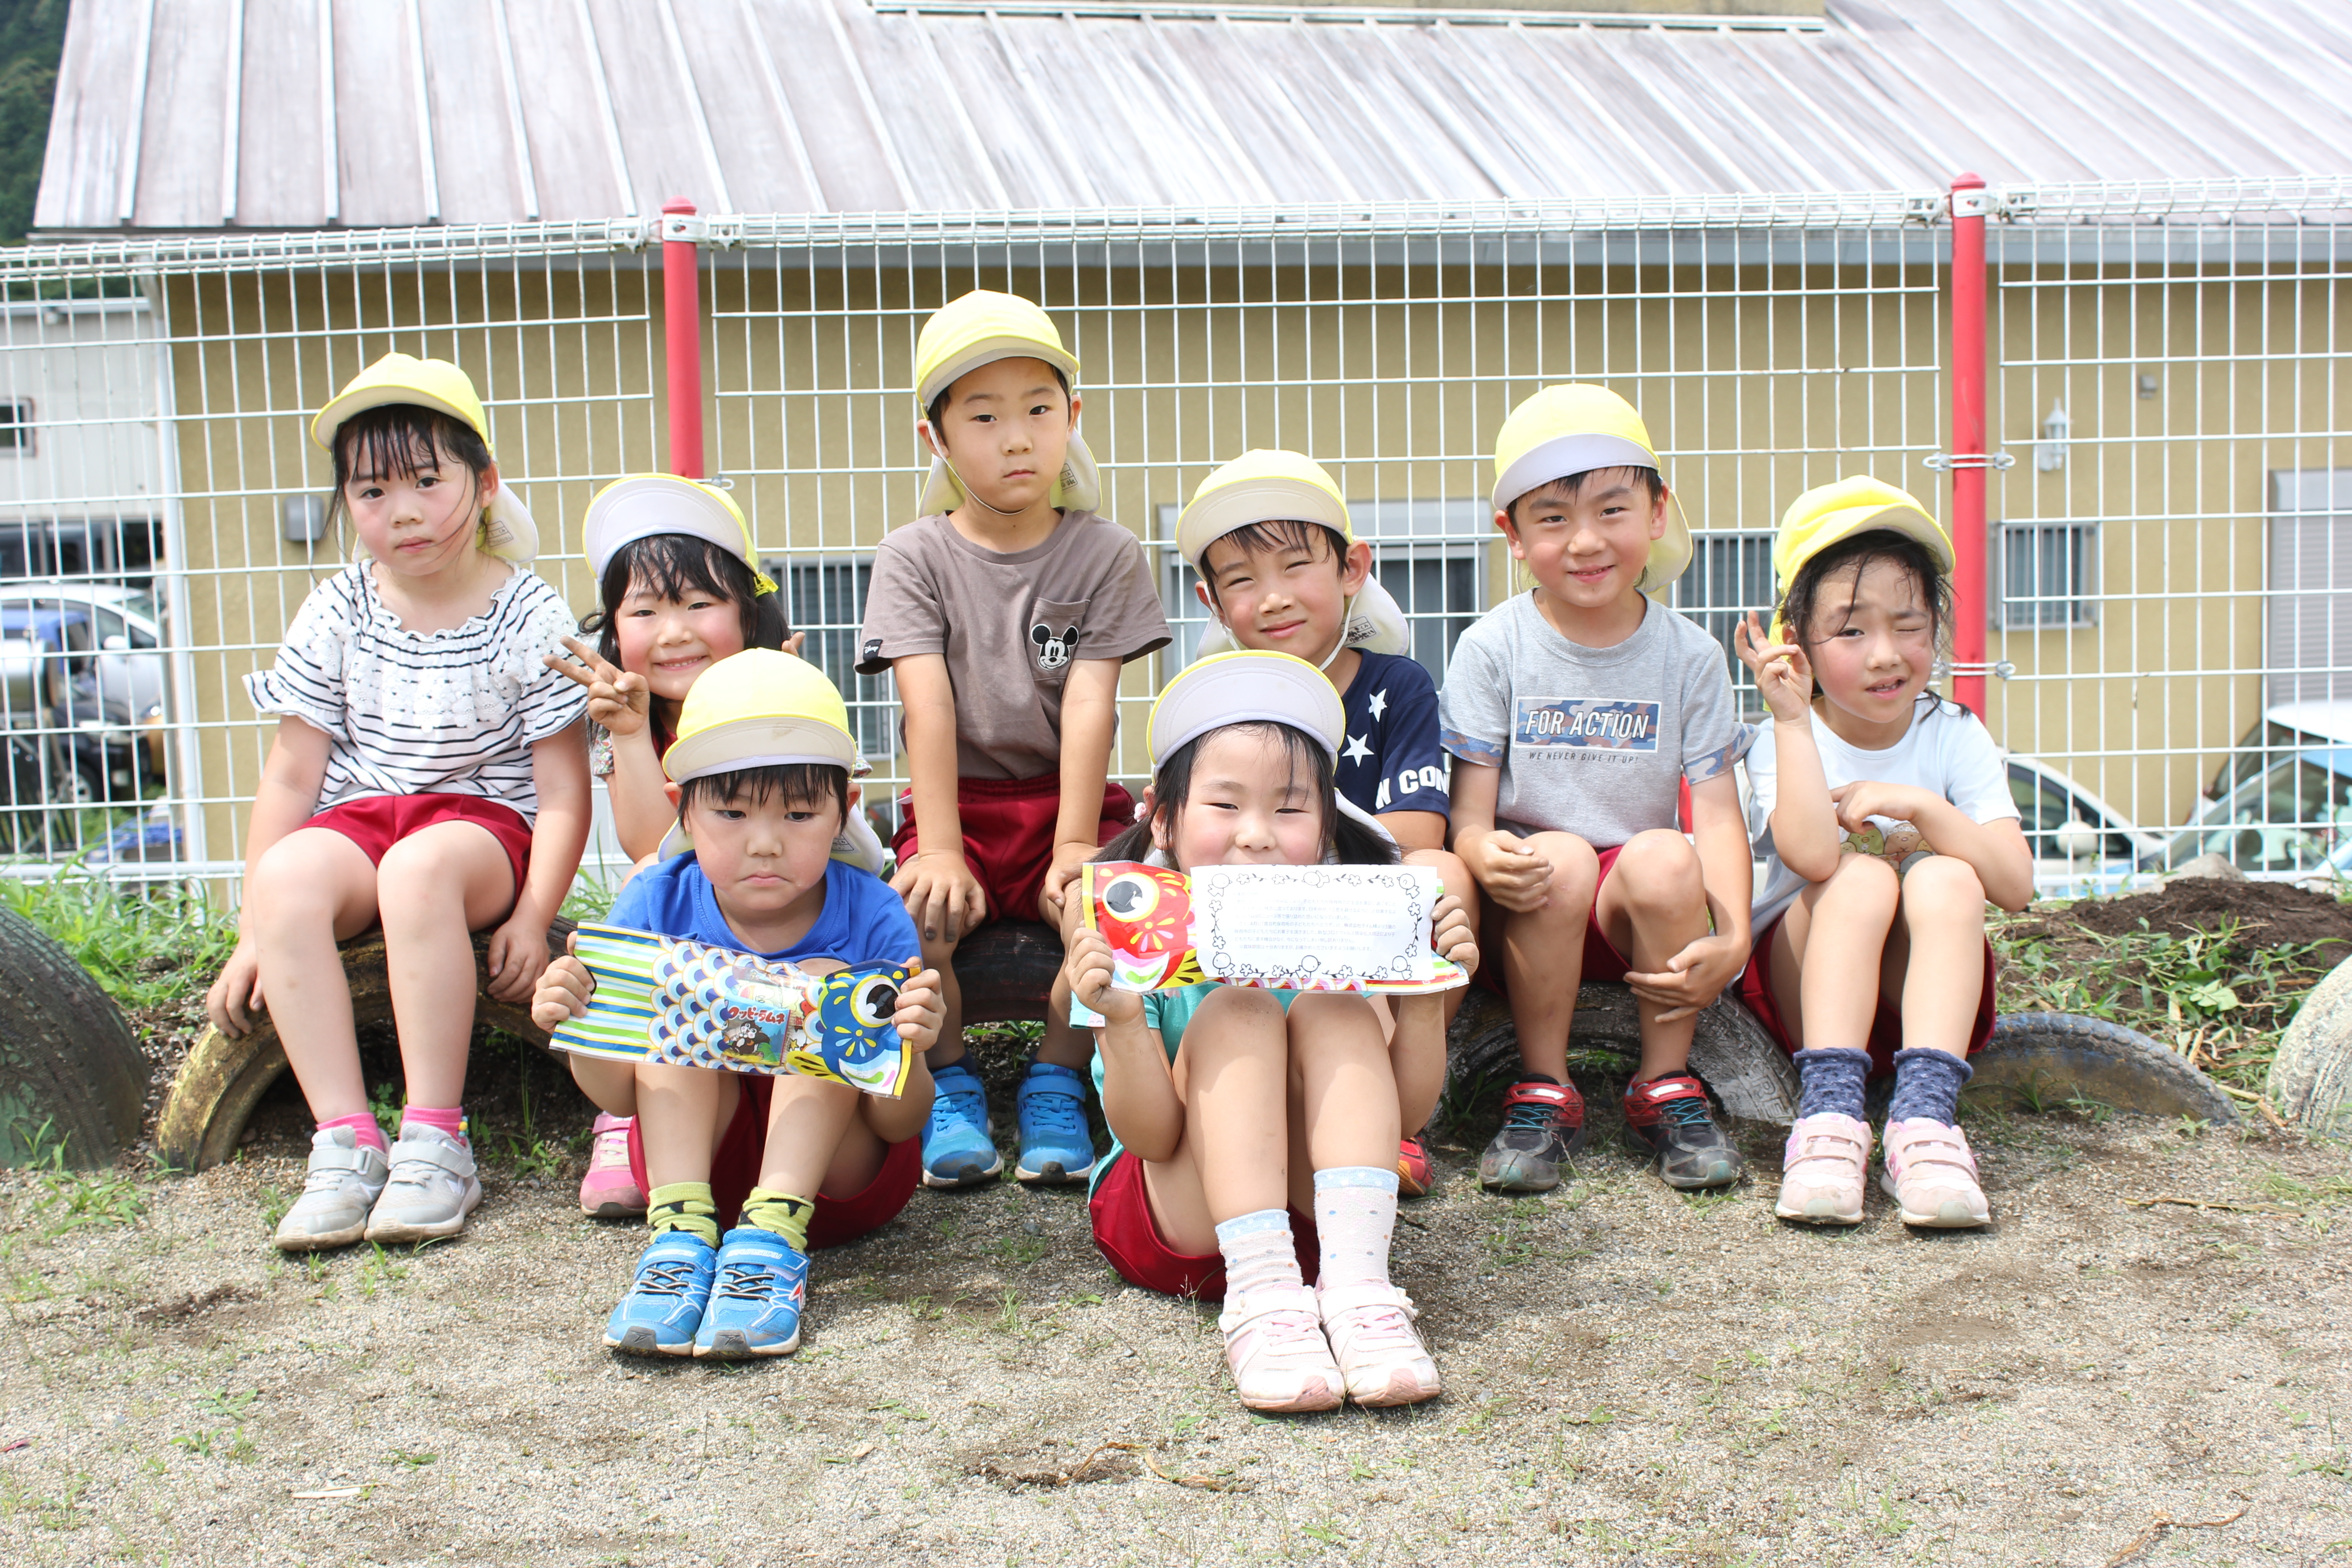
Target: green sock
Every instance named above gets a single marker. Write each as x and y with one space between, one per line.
780 1214
684 1206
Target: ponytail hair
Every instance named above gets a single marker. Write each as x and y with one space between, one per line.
1347 840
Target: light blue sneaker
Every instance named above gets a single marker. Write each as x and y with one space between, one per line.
1055 1146
959 1145
664 1304
755 1306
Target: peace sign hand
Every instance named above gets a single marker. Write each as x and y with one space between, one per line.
617 699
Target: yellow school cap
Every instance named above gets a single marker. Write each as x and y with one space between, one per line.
1243 687
978 329
1573 428
1855 504
763 709
640 506
1263 485
507 527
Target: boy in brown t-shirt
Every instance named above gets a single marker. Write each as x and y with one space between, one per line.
1004 612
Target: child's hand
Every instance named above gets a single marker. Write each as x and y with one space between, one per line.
617 700
1858 802
1451 936
1784 677
1511 871
1068 860
564 987
1691 979
941 894
1087 969
518 956
235 998
923 1010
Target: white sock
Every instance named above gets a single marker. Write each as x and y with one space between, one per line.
1354 1215
1258 1253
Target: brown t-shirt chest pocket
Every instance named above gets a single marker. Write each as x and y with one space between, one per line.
1053 638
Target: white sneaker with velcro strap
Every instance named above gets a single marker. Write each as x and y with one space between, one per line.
432 1190
345 1179
1380 1353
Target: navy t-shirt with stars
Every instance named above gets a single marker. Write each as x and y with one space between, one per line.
1392 760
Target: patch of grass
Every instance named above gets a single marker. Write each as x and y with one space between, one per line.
142 947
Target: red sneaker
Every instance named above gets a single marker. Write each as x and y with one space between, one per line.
1415 1177
1543 1124
1668 1118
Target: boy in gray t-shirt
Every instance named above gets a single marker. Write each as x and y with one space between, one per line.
1575 712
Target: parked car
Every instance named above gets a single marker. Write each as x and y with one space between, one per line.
2080 843
2282 732
2288 812
81 706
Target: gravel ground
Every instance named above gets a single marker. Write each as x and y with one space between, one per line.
1632 1377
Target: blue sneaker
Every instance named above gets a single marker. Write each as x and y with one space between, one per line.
664 1306
958 1148
755 1306
1055 1146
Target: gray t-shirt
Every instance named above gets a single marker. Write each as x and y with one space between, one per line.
1010 627
1591 741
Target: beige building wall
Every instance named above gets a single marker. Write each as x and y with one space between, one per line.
1755 381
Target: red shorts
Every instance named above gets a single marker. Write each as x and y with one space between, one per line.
1008 835
1128 1235
1885 1025
1601 959
380 821
735 1170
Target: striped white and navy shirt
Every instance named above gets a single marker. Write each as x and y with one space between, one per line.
454 712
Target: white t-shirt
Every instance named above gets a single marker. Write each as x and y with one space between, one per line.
452 712
1945 750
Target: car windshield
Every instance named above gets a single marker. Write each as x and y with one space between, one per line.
2046 807
2288 818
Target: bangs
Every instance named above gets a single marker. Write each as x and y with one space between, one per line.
1275 536
677 566
400 440
795 783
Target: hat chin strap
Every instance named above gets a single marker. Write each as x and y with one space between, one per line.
1347 613
969 494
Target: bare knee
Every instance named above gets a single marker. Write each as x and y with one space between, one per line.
1575 873
1943 889
1658 873
1866 881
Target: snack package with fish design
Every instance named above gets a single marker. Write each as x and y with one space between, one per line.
1290 928
663 999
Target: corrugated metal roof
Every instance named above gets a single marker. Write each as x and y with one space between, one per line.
204 114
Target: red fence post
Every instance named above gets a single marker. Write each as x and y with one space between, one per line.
1967 449
682 326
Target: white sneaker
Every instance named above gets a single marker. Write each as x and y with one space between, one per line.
344 1181
1380 1352
1275 1345
432 1189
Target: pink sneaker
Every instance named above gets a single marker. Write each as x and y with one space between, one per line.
1824 1169
1274 1345
608 1190
1933 1176
1380 1353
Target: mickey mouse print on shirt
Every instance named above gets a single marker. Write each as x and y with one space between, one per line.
1053 645
1390 759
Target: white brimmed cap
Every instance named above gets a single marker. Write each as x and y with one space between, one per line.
641 506
1243 687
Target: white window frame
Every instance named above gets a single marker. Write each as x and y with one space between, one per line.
2032 611
873 699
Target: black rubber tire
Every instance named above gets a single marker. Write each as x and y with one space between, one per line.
2058 1056
67 1054
2311 1075
1730 1048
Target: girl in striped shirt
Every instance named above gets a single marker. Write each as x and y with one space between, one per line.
429 775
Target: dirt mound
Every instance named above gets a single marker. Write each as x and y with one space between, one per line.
2268 914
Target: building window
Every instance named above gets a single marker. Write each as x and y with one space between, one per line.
826 599
1730 573
2045 575
16 426
1430 556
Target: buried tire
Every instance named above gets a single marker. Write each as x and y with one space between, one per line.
2035 1058
225 1076
2311 1075
71 1073
1730 1048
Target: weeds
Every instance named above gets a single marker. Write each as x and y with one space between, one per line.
144 948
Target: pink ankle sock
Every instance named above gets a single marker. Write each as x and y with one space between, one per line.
363 1127
452 1121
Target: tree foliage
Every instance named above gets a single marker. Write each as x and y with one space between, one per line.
32 36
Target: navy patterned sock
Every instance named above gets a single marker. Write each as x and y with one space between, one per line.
1927 1086
1831 1082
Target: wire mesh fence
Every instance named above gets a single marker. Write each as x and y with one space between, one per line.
2152 608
